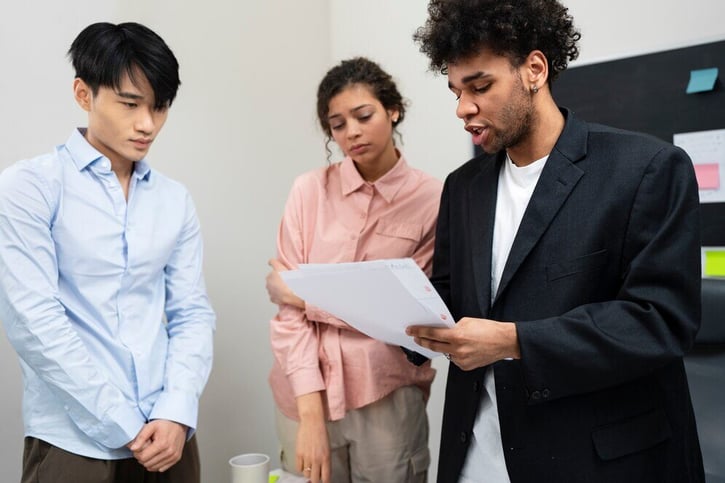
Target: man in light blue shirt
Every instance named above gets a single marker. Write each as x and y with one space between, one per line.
101 286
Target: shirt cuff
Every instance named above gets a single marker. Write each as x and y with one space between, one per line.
179 407
118 427
305 381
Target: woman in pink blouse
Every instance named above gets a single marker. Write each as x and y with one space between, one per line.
351 408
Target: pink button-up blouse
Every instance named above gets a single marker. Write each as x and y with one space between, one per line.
333 215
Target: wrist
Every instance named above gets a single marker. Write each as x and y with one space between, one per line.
511 348
293 300
309 407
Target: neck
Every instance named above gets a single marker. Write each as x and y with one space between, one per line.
373 172
123 172
546 128
122 167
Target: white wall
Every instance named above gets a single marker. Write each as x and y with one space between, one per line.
244 125
623 28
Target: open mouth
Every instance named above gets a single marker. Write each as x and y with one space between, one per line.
478 133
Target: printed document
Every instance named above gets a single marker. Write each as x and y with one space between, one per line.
380 298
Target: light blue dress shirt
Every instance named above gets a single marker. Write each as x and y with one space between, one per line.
103 299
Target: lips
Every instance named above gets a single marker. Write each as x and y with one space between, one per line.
358 148
478 133
141 143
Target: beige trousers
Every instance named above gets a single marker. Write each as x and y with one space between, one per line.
386 441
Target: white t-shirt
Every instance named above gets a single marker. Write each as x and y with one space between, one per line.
485 460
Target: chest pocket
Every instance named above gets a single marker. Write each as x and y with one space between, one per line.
396 239
585 264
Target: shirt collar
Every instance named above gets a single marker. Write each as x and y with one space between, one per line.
387 185
84 155
142 169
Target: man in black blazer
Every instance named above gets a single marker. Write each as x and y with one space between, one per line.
569 254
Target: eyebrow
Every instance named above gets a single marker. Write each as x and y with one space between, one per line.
351 110
477 75
129 95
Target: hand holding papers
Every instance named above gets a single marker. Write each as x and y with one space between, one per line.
379 298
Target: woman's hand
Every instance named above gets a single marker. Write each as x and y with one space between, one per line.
279 292
313 445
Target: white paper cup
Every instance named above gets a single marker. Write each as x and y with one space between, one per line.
250 468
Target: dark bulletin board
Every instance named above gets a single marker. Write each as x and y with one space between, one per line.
647 93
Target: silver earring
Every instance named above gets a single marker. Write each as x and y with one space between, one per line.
534 89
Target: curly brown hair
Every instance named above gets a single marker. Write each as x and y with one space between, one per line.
456 29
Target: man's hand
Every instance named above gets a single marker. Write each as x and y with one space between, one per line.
279 292
159 444
471 343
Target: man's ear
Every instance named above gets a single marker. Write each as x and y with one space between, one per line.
536 69
82 93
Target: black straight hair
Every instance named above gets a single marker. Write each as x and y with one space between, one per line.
104 52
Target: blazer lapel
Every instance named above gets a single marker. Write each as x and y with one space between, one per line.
558 178
482 199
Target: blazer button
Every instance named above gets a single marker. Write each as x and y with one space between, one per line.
464 437
545 393
476 386
536 395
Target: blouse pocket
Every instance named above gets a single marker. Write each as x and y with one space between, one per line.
397 239
399 229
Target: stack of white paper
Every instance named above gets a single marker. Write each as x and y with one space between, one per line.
379 298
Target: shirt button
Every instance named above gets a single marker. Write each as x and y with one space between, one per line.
464 437
536 395
545 393
476 386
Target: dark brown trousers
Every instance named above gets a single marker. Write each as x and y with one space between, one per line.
45 463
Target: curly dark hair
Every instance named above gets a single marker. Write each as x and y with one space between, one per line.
358 70
456 29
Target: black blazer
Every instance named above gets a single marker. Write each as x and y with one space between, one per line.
603 282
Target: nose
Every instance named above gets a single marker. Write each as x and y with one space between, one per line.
466 107
353 129
146 120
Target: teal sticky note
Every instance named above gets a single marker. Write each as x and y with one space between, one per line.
702 80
